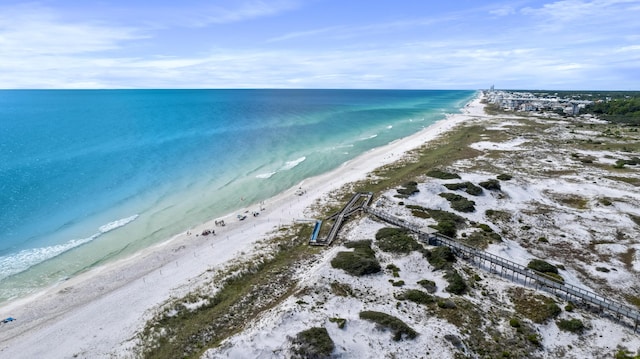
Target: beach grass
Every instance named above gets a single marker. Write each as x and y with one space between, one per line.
178 332
438 154
399 328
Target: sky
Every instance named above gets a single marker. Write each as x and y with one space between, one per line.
368 44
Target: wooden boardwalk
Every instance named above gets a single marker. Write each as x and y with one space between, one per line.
515 271
357 203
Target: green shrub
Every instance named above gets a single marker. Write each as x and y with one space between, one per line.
533 339
536 307
555 277
398 327
624 354
456 186
363 246
619 164
497 215
396 283
469 187
454 340
354 264
416 296
341 289
448 222
420 214
571 325
313 343
480 239
551 310
635 300
514 322
429 285
394 269
603 269
440 257
632 162
492 185
446 228
360 262
440 216
542 266
447 304
396 240
418 211
417 208
458 202
408 189
605 202
457 285
442 175
341 322
504 177
473 189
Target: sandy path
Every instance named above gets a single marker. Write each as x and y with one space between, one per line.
96 313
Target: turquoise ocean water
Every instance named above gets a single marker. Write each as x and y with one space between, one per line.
87 176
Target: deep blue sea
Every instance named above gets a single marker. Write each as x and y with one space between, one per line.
87 176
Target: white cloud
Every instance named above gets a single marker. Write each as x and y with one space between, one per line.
307 33
503 11
630 48
233 11
40 49
29 30
612 12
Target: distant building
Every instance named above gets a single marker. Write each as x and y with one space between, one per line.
525 101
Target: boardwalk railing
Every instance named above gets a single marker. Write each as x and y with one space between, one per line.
358 202
513 270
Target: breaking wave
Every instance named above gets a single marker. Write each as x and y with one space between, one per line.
265 175
291 164
25 259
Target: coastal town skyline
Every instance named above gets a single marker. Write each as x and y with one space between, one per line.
568 44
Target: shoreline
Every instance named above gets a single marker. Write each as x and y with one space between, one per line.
97 311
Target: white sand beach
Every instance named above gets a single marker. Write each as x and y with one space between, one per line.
96 314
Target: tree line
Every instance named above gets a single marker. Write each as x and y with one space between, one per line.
621 110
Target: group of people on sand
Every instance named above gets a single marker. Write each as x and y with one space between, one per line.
220 223
207 232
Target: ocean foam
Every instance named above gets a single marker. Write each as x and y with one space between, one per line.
25 259
368 137
291 164
117 224
287 166
265 175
